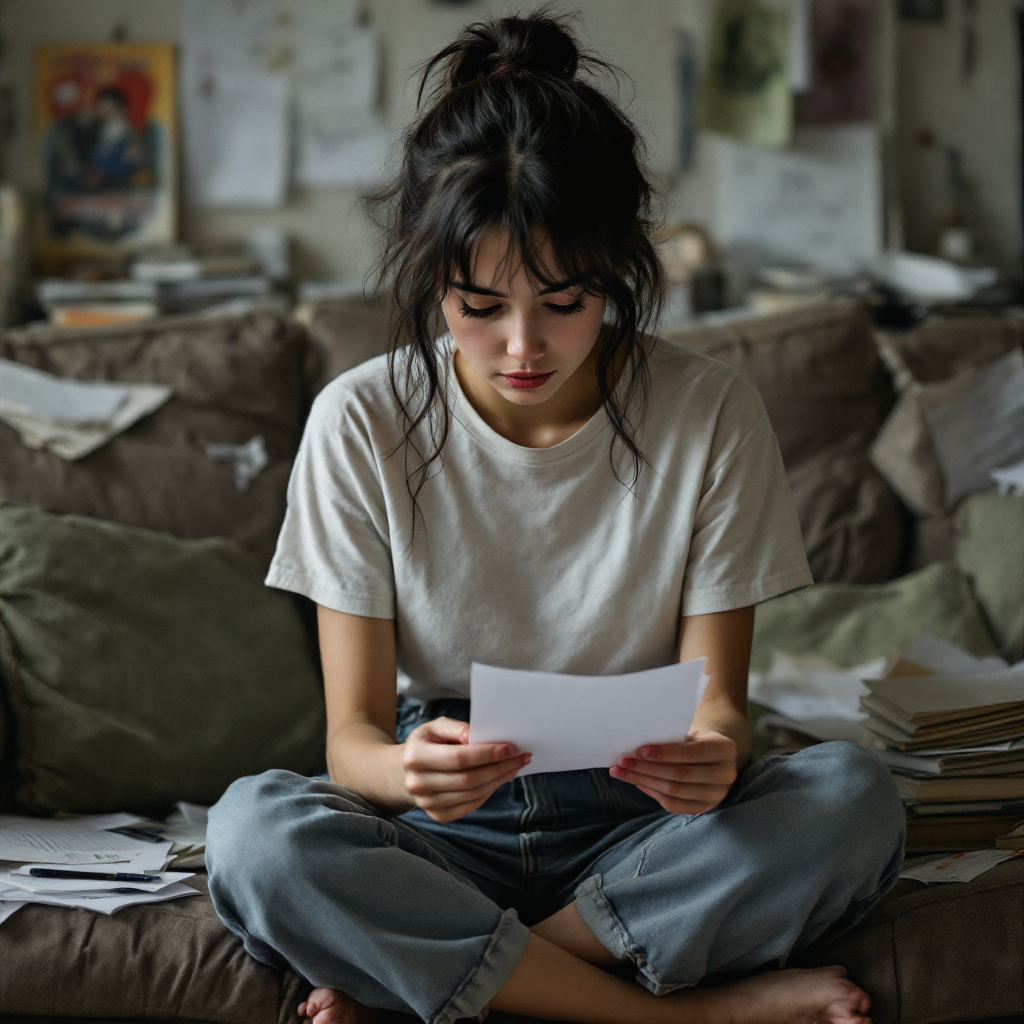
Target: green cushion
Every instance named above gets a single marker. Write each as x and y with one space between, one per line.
990 550
142 669
853 623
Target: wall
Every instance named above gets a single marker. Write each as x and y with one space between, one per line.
979 115
332 237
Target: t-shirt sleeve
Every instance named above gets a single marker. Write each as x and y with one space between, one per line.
334 545
746 545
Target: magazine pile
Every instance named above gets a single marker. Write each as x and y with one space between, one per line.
99 862
949 727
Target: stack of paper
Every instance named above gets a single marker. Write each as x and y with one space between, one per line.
71 418
950 728
44 860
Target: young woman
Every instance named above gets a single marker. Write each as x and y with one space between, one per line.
544 488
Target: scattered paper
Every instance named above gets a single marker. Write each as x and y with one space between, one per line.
957 867
71 442
110 903
247 460
57 843
806 687
573 722
25 391
944 658
977 423
932 279
20 878
101 822
1009 479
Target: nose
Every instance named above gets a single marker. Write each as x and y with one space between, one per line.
524 343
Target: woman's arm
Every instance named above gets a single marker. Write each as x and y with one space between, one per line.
696 775
436 768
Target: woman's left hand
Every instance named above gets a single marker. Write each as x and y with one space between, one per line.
685 778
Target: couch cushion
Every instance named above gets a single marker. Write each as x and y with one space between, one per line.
142 669
233 378
343 333
164 961
825 391
990 550
850 625
939 954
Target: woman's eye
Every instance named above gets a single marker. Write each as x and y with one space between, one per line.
479 314
567 310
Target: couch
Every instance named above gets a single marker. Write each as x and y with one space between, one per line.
150 516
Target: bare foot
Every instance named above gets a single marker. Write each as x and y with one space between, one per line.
823 995
328 1006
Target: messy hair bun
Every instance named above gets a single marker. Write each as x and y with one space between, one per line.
514 135
533 46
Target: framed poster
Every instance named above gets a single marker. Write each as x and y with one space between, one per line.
106 135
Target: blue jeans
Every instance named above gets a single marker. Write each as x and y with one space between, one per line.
406 914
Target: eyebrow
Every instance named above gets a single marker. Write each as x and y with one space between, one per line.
558 286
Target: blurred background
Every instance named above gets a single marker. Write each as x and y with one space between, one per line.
804 146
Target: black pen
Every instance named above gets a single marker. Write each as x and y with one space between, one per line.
115 876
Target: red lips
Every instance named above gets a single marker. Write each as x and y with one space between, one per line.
527 380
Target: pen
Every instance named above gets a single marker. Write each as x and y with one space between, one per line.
115 876
147 835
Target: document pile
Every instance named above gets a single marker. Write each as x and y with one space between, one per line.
71 418
101 862
950 728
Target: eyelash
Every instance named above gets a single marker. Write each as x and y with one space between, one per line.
481 314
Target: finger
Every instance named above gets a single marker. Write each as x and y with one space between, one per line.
720 773
679 806
301 1010
446 730
443 757
455 797
419 781
700 750
676 790
455 811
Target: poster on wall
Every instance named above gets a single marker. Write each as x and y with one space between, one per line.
746 92
105 131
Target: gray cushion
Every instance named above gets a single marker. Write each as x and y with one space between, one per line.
233 378
142 669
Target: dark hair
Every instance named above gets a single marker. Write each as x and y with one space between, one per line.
514 137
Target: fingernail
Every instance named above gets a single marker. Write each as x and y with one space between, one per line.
505 751
651 753
629 762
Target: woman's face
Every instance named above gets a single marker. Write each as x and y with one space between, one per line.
524 339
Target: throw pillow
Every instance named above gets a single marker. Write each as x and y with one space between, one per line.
142 669
990 550
850 624
233 378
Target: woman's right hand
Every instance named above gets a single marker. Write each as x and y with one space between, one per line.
447 775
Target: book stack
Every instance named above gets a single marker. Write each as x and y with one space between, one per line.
955 746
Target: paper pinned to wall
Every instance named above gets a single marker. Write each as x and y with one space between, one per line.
251 69
236 138
818 203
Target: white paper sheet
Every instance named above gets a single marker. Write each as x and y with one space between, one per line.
808 688
948 659
61 843
1009 479
25 390
572 722
101 822
19 878
108 904
957 867
236 129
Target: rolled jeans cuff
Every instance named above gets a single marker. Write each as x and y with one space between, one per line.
482 984
597 913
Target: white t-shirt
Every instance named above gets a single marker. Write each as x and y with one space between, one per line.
539 558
